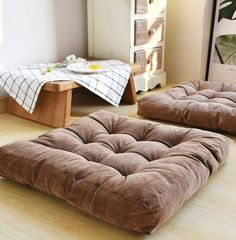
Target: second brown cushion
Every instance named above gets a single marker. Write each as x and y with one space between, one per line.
208 105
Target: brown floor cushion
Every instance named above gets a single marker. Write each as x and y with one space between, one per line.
132 173
207 105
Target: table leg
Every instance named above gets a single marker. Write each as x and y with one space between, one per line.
129 95
52 108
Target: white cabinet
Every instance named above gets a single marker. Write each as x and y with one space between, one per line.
131 31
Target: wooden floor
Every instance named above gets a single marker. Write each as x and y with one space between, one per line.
26 214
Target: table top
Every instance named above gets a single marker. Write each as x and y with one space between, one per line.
59 86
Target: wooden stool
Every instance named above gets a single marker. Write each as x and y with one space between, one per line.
53 106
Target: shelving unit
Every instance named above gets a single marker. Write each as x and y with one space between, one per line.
132 31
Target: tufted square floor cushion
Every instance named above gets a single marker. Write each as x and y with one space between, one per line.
207 105
132 173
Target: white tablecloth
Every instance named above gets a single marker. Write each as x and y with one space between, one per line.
24 83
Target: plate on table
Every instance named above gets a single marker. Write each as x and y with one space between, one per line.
89 67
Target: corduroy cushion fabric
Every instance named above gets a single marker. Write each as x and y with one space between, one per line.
132 173
207 105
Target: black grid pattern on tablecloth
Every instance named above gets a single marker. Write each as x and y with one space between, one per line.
24 83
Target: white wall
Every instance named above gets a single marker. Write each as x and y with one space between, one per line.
34 31
71 27
187 39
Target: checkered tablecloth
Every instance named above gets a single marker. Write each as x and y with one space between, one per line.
24 83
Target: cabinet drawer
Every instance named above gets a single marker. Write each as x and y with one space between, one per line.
150 6
148 31
150 59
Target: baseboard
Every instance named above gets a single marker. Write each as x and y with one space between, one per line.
3 104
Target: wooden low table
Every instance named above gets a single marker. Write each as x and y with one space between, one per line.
53 107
